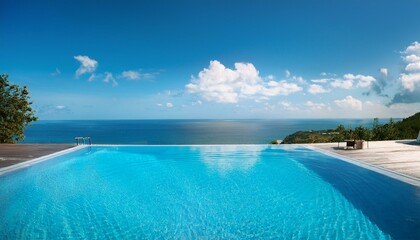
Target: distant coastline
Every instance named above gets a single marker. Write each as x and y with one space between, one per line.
394 129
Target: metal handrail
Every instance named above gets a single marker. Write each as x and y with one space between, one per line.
83 140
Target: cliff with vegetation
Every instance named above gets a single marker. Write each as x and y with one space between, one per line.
408 128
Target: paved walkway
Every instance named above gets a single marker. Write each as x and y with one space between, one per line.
16 153
402 156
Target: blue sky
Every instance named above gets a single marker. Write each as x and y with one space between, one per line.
214 59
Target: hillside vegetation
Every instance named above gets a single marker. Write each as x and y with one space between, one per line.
407 128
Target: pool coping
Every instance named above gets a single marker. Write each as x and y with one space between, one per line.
392 174
34 161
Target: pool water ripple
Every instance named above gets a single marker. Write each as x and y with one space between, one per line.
189 192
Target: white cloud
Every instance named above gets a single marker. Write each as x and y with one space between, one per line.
323 80
315 106
110 78
384 72
411 58
413 67
299 79
340 83
410 79
363 80
224 85
274 88
349 102
167 105
137 75
87 65
328 74
287 106
347 81
131 75
288 75
261 99
316 89
92 77
413 48
172 93
60 107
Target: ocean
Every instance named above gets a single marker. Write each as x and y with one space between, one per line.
180 132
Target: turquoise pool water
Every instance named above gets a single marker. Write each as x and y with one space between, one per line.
211 192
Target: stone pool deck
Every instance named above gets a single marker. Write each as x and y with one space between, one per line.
11 154
401 156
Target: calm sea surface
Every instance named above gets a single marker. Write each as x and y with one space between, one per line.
179 131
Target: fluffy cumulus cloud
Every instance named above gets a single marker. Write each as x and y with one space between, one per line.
349 80
410 79
384 72
342 83
316 89
109 78
223 85
87 65
349 102
362 80
413 48
413 62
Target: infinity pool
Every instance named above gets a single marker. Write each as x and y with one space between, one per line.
211 192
